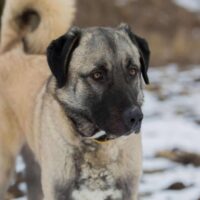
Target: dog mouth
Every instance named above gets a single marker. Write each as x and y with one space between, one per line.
93 132
102 136
89 130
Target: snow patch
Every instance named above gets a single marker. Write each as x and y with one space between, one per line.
191 5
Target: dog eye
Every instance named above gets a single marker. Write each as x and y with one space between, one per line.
97 76
132 71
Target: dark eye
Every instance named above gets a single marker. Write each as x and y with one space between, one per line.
132 71
97 76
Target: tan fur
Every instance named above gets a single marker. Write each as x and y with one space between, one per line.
21 77
56 18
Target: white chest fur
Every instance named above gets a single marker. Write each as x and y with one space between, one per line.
111 175
85 194
98 184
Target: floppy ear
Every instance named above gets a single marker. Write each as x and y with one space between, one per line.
59 54
143 48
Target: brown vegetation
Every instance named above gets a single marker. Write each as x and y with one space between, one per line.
182 157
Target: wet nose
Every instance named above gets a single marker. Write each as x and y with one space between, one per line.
133 118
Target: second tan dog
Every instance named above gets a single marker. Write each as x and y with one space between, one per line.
16 102
28 26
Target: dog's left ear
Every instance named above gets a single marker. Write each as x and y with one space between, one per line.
143 48
59 54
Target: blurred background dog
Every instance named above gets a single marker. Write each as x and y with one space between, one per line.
26 30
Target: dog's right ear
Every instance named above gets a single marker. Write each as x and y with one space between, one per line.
143 48
59 54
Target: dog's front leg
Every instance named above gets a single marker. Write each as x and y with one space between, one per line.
33 175
7 163
57 168
136 182
10 144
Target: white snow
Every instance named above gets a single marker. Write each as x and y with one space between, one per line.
191 5
170 123
20 164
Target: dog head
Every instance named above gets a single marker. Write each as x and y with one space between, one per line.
99 73
34 22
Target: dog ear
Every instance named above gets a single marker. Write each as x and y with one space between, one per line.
143 48
59 54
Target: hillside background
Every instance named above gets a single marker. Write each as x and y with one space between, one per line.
172 30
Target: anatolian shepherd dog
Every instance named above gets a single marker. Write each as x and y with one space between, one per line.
83 124
28 26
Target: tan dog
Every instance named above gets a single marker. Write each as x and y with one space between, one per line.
94 96
27 25
15 104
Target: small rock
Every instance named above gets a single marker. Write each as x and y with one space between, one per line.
197 80
176 186
179 156
15 192
197 121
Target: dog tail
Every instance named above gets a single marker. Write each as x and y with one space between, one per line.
35 23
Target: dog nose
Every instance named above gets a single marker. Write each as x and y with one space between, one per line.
133 118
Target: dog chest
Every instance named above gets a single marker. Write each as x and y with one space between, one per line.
100 174
96 183
93 181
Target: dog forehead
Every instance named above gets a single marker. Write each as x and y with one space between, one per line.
107 39
106 45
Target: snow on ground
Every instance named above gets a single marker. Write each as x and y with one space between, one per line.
172 120
172 111
191 5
